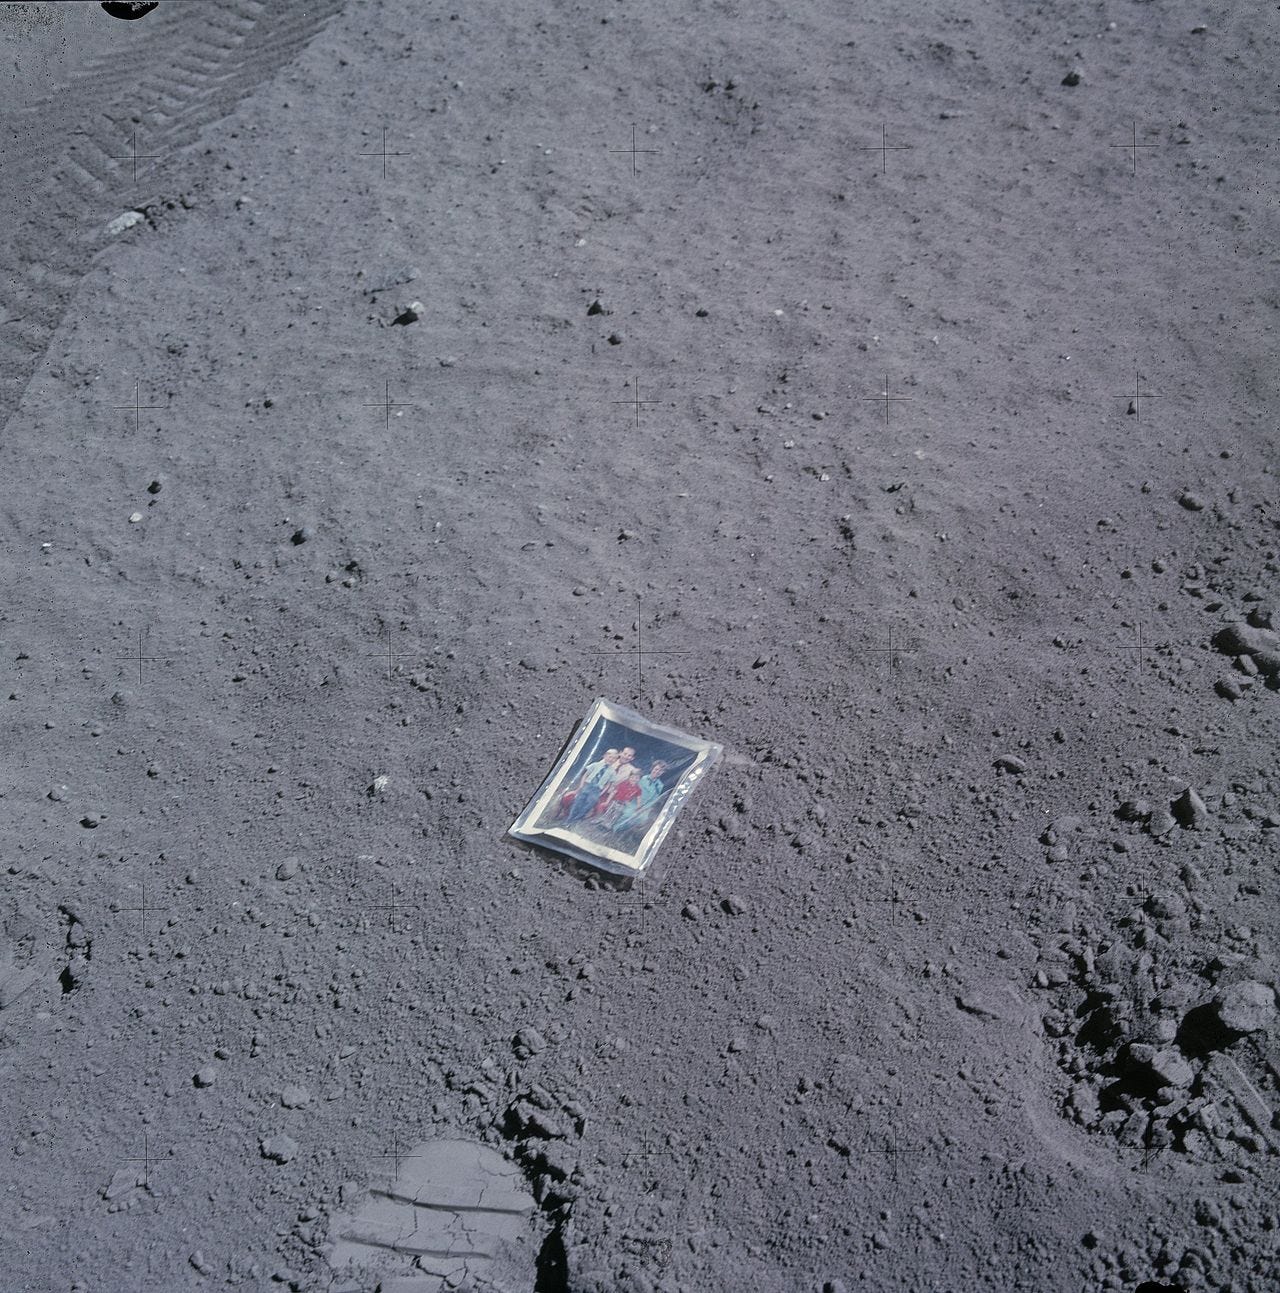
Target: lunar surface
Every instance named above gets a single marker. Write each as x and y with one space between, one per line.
884 393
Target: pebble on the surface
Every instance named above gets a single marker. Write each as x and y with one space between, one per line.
279 1149
126 220
207 1076
409 313
529 1040
734 904
1189 810
295 1097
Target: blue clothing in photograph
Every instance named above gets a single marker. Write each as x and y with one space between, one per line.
589 792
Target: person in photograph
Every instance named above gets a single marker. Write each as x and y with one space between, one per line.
622 770
648 792
623 793
591 784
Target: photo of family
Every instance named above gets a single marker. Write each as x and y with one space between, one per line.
616 789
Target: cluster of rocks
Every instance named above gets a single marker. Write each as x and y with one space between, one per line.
1254 646
1157 1051
543 1129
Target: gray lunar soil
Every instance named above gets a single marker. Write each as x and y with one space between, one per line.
393 386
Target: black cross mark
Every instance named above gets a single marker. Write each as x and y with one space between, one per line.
135 156
884 148
390 656
1153 1153
386 404
390 907
137 406
635 402
1138 646
144 908
891 652
1135 400
1134 146
893 1151
140 658
646 1153
396 1154
383 153
633 150
637 907
145 1160
886 399
639 651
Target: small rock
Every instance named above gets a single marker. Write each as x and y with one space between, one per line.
595 308
979 1004
287 869
124 221
1083 1103
198 1262
207 1076
155 487
1241 639
1245 1007
1072 78
303 535
734 904
1191 501
1169 1066
409 313
1134 810
1228 689
1009 763
1161 822
279 1149
295 1097
122 1182
134 518
1189 810
531 1040
614 339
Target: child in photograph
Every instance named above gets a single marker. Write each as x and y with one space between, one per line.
622 770
648 792
624 793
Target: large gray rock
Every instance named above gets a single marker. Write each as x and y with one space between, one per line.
1189 809
1245 1007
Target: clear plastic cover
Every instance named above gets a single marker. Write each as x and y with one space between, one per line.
616 789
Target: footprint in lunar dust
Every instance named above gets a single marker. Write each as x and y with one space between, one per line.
454 1210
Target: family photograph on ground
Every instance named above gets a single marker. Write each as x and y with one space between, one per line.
620 776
